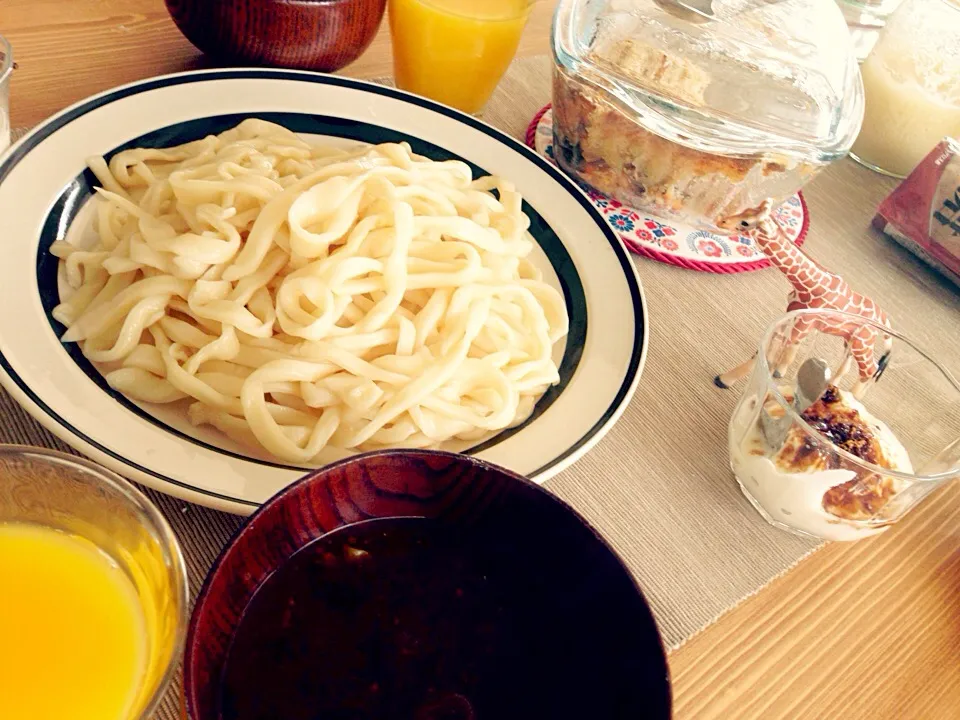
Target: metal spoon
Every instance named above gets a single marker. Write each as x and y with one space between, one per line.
699 11
696 11
813 377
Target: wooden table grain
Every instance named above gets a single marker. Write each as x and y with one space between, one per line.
865 630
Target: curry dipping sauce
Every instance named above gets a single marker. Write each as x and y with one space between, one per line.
409 618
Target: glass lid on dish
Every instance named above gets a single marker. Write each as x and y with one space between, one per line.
726 76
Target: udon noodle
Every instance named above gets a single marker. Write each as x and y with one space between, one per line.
303 298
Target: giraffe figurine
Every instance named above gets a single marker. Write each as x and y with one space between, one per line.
813 287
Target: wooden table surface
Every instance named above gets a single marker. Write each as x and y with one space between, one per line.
864 630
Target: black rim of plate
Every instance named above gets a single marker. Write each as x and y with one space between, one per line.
71 199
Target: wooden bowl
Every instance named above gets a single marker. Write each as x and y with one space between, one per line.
589 646
307 34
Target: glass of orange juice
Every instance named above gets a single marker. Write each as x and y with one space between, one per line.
93 606
455 51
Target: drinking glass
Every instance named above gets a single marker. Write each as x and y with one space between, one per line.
865 19
49 489
455 51
6 69
802 470
911 83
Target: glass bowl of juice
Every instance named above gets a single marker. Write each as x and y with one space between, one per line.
94 603
455 51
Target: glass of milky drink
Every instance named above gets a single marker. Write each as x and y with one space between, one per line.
911 83
817 460
93 606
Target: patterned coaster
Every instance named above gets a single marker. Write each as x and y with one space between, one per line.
671 241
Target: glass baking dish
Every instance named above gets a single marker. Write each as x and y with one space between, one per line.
700 110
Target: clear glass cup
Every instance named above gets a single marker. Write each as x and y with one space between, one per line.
818 472
49 489
865 19
455 51
911 83
6 70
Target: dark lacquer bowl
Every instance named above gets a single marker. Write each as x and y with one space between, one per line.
306 34
428 585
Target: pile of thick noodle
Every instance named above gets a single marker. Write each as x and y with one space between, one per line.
303 298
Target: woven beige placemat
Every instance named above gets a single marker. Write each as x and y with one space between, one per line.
658 487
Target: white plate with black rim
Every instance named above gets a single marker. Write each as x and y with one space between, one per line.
44 195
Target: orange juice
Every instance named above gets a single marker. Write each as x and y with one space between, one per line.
455 51
73 639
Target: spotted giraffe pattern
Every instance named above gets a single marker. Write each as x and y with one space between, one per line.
814 287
